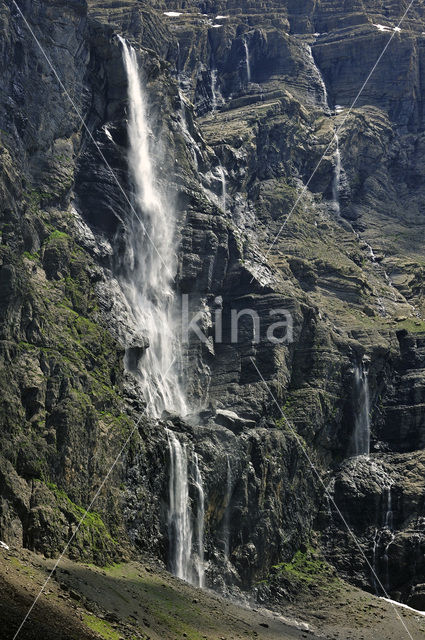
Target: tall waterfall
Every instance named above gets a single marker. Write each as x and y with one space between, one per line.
200 516
186 558
226 519
247 61
336 183
150 264
361 436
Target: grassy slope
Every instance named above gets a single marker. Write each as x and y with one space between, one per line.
136 600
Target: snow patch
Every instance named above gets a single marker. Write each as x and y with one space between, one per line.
108 133
221 17
3 545
217 26
383 27
404 606
172 14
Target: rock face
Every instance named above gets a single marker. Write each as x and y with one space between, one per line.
289 204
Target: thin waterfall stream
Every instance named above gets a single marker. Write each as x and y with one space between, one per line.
361 435
227 498
200 516
336 182
222 176
185 524
179 516
247 61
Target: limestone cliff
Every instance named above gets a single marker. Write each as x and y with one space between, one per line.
244 107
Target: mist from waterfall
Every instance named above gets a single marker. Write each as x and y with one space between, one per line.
361 435
150 264
186 552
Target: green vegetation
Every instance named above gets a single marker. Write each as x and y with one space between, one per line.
58 235
306 570
412 325
92 537
101 627
31 256
91 518
36 199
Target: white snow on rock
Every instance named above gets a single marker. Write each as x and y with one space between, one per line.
383 27
3 545
172 14
403 606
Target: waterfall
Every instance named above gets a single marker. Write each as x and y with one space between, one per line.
247 62
388 520
382 541
184 563
223 187
316 71
361 436
200 516
374 566
336 183
226 519
150 264
179 516
214 88
386 562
